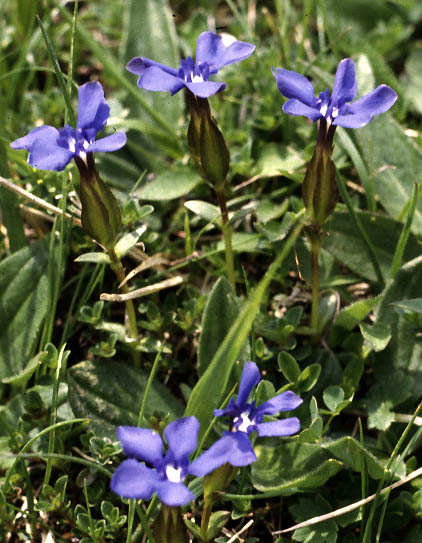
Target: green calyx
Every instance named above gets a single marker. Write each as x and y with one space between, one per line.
206 143
319 189
101 217
169 526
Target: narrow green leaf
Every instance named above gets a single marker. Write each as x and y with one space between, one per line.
157 40
95 258
113 68
59 75
404 236
207 393
221 311
128 241
205 210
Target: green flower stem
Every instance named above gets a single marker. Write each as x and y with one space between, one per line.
117 267
227 235
315 239
206 515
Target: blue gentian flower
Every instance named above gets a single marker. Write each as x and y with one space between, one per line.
133 479
246 418
211 55
52 149
338 109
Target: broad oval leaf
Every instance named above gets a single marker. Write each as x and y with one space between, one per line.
23 305
110 394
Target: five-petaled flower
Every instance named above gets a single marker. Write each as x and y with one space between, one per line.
246 418
133 479
211 55
338 110
52 149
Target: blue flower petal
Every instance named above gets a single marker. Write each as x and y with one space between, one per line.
156 79
353 121
114 142
204 89
141 443
47 154
345 87
286 401
138 65
211 49
182 436
250 378
93 110
40 132
294 85
134 480
294 107
375 102
233 448
174 494
230 411
279 428
242 453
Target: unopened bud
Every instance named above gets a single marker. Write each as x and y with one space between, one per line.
206 143
101 217
319 189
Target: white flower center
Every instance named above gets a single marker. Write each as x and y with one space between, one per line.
334 113
323 110
244 425
197 79
174 475
72 145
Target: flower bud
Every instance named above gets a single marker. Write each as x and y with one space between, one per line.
319 189
206 143
101 217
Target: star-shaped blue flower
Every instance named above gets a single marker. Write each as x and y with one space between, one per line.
52 149
133 479
211 55
246 418
338 109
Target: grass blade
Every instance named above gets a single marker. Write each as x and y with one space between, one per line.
404 236
59 75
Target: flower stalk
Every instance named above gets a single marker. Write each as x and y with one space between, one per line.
212 158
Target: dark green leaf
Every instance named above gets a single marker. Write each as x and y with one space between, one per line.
221 311
288 366
169 185
110 394
23 305
404 351
149 31
377 336
395 162
288 467
345 243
